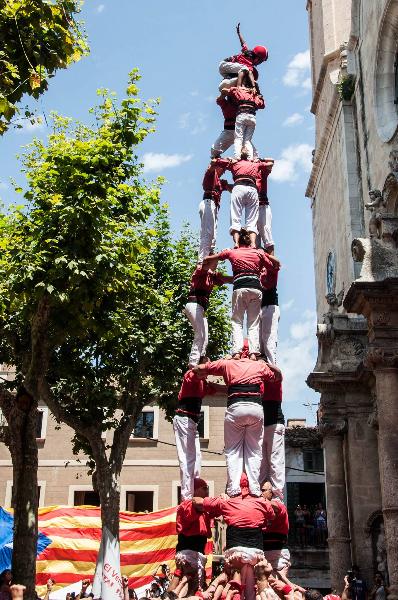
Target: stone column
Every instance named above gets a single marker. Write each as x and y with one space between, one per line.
385 366
339 541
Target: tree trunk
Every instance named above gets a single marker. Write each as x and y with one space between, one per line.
23 447
107 484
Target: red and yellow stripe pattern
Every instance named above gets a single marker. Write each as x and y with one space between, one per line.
146 540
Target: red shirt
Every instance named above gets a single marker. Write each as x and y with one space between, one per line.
244 371
243 96
243 58
247 261
190 522
229 110
242 169
193 387
269 277
262 184
272 391
281 522
212 184
241 512
202 284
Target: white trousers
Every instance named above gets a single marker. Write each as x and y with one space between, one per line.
270 316
273 460
208 213
244 198
264 225
224 141
196 315
245 125
246 300
188 452
229 68
279 559
243 439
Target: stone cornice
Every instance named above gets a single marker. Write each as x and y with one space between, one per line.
328 58
324 143
339 382
362 295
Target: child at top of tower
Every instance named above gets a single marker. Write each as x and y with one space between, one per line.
234 67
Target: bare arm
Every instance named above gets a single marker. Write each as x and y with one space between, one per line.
276 371
242 41
275 261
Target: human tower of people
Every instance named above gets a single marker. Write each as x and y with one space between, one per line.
256 554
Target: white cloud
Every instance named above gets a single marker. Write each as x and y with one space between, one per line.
294 119
287 305
297 356
100 8
28 126
158 161
3 185
194 122
194 93
183 121
297 74
294 159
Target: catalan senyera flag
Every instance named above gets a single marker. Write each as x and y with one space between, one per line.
71 537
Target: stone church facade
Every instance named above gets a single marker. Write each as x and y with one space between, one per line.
353 189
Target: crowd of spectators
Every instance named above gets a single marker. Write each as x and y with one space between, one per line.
310 526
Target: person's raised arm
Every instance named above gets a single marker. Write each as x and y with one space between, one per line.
242 41
213 259
275 261
277 372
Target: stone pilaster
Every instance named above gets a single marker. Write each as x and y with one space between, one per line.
378 301
339 540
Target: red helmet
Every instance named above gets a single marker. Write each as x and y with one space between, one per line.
261 52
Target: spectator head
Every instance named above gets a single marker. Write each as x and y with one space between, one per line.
313 595
244 237
266 490
379 579
200 488
5 577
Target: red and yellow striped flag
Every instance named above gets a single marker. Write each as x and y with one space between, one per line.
146 540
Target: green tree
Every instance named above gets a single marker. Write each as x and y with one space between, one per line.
91 291
37 38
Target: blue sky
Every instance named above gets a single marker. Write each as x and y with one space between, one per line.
177 47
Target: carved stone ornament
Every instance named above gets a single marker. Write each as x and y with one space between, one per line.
393 163
327 427
379 257
380 357
347 353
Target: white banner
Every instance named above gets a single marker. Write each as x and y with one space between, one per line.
107 583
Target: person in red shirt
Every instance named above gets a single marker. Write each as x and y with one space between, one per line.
270 313
226 138
244 417
264 223
275 535
245 515
193 530
233 68
247 100
185 424
247 265
202 283
213 187
244 195
273 461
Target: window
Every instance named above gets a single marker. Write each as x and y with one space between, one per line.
41 489
147 425
313 459
139 501
88 497
203 425
385 75
139 498
41 423
144 425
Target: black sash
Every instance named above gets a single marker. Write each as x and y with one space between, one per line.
274 541
189 407
273 414
244 392
197 543
249 537
247 281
